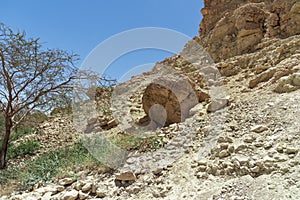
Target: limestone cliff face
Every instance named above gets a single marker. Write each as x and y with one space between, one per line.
231 28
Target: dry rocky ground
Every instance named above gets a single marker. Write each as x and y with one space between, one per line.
243 144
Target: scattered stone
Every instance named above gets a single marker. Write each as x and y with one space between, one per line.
202 168
259 129
288 84
94 189
224 146
70 195
212 169
195 110
223 154
231 148
258 144
66 181
126 176
291 150
110 124
53 189
133 190
249 139
60 188
225 140
202 162
243 160
101 194
87 187
240 147
47 196
262 77
82 195
255 169
78 185
217 104
125 179
202 175
194 165
281 158
268 161
279 149
156 194
268 145
293 163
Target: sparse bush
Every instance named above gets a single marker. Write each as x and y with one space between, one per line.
60 111
33 119
9 174
129 142
27 148
47 165
20 132
56 162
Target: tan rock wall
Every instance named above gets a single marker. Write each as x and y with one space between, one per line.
231 28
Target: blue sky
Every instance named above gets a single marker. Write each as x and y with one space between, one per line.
80 25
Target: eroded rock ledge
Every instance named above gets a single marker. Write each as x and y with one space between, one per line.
231 28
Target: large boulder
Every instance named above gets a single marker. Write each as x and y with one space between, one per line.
168 100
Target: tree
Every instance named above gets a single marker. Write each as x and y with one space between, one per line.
31 78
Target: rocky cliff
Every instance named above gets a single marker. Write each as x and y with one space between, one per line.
245 146
231 28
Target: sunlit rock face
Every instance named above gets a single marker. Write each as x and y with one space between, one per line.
231 28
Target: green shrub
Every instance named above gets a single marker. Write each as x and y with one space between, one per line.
34 118
47 165
67 110
129 142
55 162
27 148
20 132
9 174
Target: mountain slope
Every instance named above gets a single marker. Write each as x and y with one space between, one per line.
245 148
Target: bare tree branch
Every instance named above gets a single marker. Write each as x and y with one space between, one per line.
30 78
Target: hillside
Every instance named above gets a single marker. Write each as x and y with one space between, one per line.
240 140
